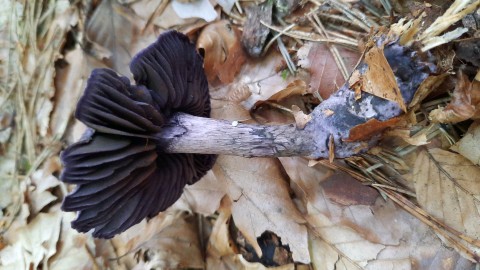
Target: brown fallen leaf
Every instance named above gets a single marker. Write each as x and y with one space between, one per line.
77 249
203 197
301 119
370 128
426 87
448 187
261 202
224 56
464 105
109 28
404 133
34 244
468 146
371 234
260 77
297 87
175 247
221 249
68 87
276 108
326 77
378 78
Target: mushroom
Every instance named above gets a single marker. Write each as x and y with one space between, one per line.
146 141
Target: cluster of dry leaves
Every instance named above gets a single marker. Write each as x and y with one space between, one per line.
413 202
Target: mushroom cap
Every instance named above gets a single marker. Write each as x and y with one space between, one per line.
122 175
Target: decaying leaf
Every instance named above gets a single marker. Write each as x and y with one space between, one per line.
301 119
33 244
261 202
195 9
370 128
175 247
222 251
39 193
367 232
261 78
464 104
326 77
68 86
378 78
202 197
469 145
74 248
428 86
448 187
110 29
404 133
223 51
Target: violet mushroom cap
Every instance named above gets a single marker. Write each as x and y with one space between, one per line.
122 175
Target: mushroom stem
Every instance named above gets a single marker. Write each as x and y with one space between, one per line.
191 134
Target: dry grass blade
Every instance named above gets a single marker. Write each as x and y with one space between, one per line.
310 36
359 18
334 50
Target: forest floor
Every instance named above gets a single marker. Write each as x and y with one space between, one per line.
410 202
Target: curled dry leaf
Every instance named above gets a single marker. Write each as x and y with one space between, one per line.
223 51
301 119
378 78
468 146
34 244
448 187
39 193
297 87
260 78
326 76
370 128
464 105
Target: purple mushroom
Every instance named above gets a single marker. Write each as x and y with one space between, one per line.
146 141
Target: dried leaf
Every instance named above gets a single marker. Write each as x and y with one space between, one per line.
261 202
39 193
468 146
418 139
326 76
196 9
426 87
73 248
37 241
109 28
202 197
221 251
448 187
224 55
378 79
369 129
463 105
68 86
175 247
370 234
301 119
261 78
